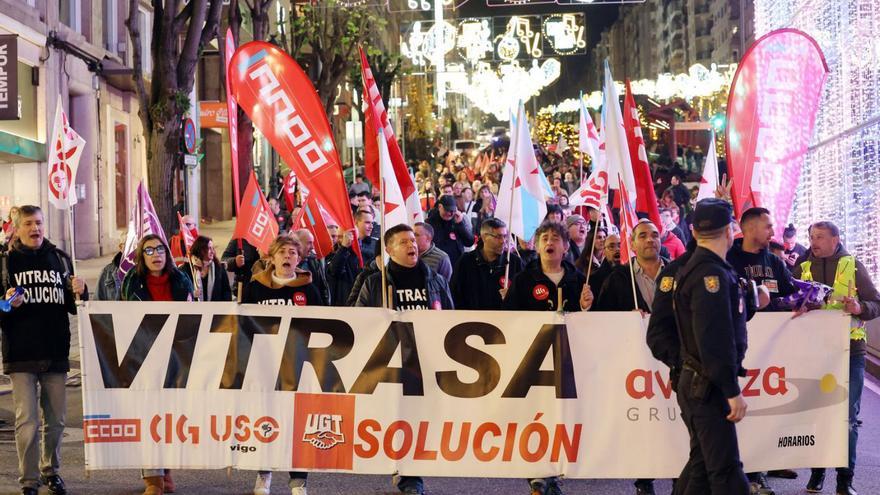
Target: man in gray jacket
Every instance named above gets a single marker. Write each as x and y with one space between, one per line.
433 256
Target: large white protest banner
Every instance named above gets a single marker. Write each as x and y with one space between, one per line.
435 393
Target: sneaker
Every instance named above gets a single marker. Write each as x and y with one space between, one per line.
263 485
644 487
297 486
29 490
844 485
817 481
537 487
55 484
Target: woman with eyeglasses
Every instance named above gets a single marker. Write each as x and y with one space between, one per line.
155 278
211 282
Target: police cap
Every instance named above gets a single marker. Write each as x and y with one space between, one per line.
712 214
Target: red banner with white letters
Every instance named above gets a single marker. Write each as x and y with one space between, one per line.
255 222
284 105
770 116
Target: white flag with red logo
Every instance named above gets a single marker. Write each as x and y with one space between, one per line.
393 206
188 235
709 181
380 121
628 220
64 149
594 192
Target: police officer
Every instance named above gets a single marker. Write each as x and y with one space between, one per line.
711 313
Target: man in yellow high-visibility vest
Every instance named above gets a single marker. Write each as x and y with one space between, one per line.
829 263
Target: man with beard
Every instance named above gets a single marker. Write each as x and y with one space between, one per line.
478 278
617 292
610 260
854 293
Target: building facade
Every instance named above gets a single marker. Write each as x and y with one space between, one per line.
77 51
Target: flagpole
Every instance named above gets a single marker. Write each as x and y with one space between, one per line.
581 160
510 212
593 248
385 298
625 207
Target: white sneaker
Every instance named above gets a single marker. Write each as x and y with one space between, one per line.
298 490
263 485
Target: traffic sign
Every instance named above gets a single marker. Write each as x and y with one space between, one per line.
189 135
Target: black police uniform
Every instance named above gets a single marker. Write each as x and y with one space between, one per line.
662 335
711 313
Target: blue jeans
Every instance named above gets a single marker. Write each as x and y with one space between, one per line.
856 384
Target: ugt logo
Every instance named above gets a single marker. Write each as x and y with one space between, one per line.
323 431
323 421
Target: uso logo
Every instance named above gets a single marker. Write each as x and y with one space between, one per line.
540 292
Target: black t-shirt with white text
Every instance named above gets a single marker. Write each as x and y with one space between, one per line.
409 287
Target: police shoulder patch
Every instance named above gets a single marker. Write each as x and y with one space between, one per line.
666 284
712 284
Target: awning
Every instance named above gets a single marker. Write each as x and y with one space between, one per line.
16 149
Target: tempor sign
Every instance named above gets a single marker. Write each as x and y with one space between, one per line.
9 77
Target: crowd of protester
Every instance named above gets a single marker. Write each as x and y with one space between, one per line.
461 256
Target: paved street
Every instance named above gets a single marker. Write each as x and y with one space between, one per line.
240 482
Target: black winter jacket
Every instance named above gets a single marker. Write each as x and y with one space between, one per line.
476 282
36 335
134 287
531 290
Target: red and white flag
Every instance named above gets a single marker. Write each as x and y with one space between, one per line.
588 135
290 191
594 191
645 199
628 220
379 119
188 235
616 146
255 222
65 147
393 207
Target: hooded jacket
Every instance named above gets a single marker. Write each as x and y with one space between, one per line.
435 285
823 271
36 335
449 236
299 291
134 286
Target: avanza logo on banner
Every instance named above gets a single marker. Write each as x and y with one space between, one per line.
446 393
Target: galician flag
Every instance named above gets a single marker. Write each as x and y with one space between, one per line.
524 189
616 145
709 181
65 147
